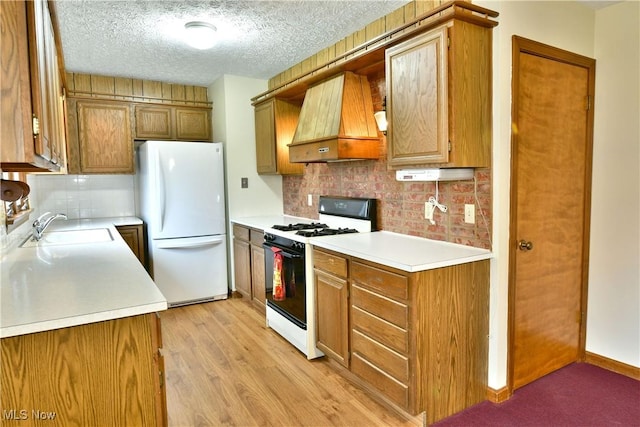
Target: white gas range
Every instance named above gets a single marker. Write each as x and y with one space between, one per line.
288 251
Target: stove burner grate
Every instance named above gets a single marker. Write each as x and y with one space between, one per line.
326 232
300 226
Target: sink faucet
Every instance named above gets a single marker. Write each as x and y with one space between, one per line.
41 224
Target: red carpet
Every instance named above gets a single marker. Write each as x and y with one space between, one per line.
577 395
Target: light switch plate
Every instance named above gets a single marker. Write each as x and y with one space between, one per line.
309 200
470 214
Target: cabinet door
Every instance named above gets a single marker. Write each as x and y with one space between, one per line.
153 122
31 89
276 122
193 124
265 138
258 286
104 137
417 99
38 25
133 236
242 267
332 306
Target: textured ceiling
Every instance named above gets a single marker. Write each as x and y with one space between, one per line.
259 39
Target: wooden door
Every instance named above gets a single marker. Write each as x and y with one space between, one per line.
551 176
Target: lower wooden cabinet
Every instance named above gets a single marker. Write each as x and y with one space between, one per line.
103 373
249 267
133 235
332 305
258 284
417 340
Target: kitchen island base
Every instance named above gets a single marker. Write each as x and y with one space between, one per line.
103 373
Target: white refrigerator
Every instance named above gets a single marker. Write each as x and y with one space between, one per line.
180 188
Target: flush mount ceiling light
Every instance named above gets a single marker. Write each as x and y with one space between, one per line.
200 35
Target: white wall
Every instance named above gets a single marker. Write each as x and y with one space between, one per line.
233 124
613 317
571 26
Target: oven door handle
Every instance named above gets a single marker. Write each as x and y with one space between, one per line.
285 251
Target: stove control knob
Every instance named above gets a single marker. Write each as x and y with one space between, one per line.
269 237
298 245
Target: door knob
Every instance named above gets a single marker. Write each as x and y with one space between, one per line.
523 245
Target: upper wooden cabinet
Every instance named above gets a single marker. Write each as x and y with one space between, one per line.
32 122
153 122
193 124
275 122
100 138
172 123
439 97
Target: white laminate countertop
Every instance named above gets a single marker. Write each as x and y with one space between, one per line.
58 286
401 251
396 250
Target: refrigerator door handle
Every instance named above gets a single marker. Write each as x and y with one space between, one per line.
161 191
192 242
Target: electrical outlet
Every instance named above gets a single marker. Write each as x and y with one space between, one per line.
244 182
470 214
428 210
309 200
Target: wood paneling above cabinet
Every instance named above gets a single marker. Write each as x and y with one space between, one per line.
135 90
363 51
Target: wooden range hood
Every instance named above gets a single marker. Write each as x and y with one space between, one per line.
336 122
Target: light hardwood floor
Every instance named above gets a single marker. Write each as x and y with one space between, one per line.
225 368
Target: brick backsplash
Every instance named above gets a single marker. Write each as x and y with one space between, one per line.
400 204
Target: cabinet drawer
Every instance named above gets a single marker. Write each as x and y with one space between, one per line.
385 282
380 330
330 263
240 232
385 308
387 360
257 237
387 385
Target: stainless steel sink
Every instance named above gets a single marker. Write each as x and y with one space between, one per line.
70 237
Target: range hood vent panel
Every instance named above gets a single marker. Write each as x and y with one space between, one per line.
336 122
